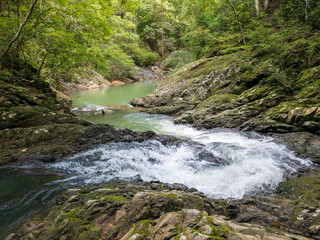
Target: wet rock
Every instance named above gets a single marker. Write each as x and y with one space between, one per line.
106 111
56 141
42 158
187 117
314 230
307 144
233 208
74 198
121 210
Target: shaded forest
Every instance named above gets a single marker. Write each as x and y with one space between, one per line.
61 38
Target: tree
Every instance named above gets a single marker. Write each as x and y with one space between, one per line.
17 35
257 6
266 5
243 39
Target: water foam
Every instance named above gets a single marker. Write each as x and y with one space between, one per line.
220 163
89 108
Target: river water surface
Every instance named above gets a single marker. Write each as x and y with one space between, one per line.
221 163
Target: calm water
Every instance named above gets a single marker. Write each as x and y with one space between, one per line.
89 104
118 95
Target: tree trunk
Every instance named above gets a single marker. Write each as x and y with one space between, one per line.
306 9
257 6
240 27
266 5
18 13
195 13
15 38
42 63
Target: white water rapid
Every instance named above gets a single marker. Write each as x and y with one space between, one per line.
220 163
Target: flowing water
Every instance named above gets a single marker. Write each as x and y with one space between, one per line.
221 163
23 193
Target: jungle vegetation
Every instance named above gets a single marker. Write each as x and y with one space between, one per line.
63 37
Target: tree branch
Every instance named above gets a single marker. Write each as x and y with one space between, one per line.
42 63
16 36
240 27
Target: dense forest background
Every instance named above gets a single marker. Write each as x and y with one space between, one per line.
62 38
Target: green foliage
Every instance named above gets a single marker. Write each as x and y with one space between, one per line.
112 36
159 26
144 57
199 42
177 59
307 11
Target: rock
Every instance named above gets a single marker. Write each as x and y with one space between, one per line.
191 216
62 139
304 143
122 210
43 158
217 92
39 135
74 198
117 83
185 118
314 230
309 113
312 125
155 69
106 111
62 97
233 208
86 79
317 114
127 80
90 203
138 102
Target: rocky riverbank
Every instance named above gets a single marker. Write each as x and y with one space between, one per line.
36 122
36 125
139 210
242 89
223 92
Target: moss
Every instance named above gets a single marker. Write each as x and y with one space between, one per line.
172 196
75 214
213 64
218 100
305 191
90 232
218 230
112 198
75 220
142 228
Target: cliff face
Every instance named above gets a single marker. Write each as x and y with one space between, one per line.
272 88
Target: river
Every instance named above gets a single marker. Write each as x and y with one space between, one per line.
221 163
